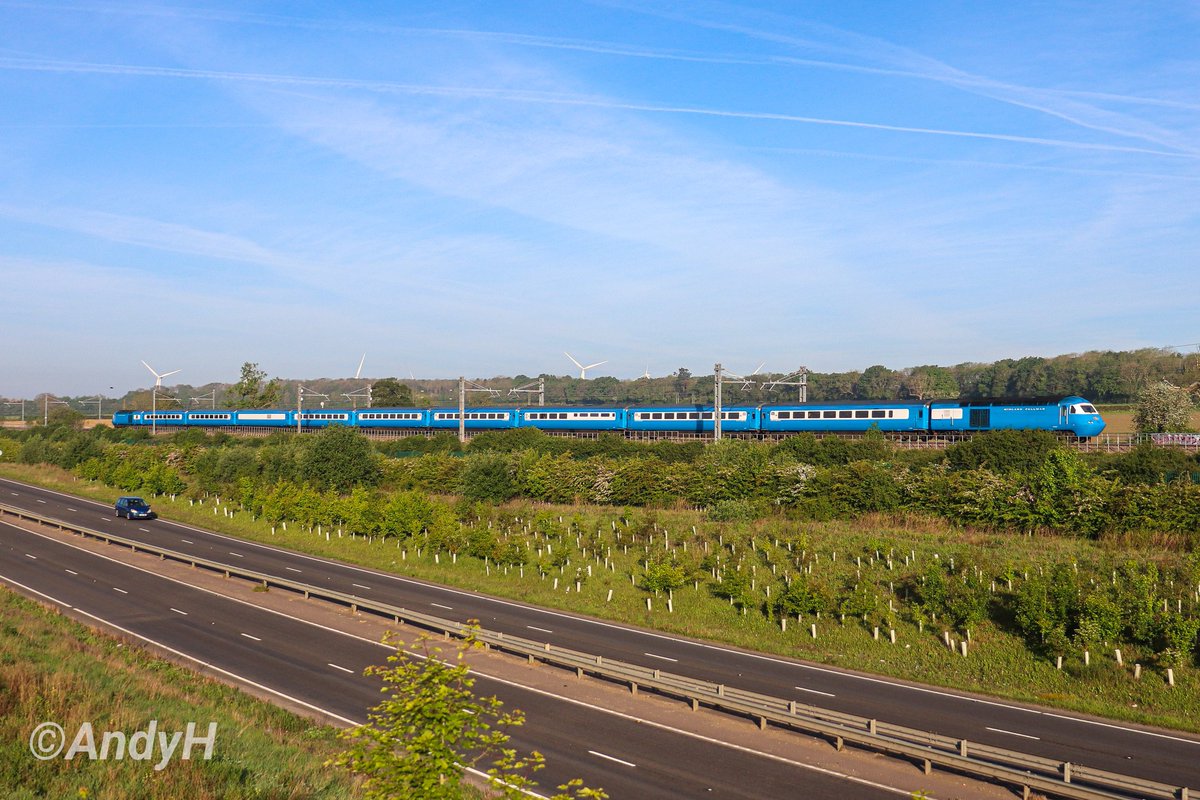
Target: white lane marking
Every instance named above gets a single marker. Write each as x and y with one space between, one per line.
1014 733
72 509
700 737
185 541
343 669
233 675
54 600
239 555
612 625
122 591
612 758
569 700
1117 727
144 530
43 502
816 691
106 519
255 638
14 494
536 628
292 569
29 556
664 658
439 605
177 611
359 585
73 572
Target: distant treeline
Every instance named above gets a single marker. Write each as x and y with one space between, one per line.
1103 377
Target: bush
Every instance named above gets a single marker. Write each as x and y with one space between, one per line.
1003 451
488 476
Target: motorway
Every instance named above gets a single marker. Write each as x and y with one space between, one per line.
318 667
1148 753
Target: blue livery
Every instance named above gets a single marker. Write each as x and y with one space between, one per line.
1068 414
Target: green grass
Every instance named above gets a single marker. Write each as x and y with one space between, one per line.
999 662
53 669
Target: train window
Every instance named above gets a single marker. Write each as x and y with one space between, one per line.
829 414
1088 408
860 413
784 415
844 414
878 413
656 415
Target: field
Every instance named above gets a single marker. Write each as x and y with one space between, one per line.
574 569
55 670
1119 419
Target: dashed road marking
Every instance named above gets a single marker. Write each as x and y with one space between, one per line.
122 591
255 638
73 572
343 669
664 658
1014 733
177 611
536 628
612 758
816 691
439 605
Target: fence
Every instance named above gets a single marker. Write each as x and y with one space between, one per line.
1027 772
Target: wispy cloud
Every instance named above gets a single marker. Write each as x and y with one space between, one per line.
527 96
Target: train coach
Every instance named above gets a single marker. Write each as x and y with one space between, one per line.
1073 415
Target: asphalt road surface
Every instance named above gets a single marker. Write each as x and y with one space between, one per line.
1120 747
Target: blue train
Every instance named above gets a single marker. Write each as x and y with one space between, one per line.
1068 414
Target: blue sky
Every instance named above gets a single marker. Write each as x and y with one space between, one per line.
475 187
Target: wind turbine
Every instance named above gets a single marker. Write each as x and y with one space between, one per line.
646 374
353 396
582 369
157 377
154 395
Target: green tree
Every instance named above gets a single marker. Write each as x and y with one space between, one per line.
339 458
431 728
250 391
1163 408
391 393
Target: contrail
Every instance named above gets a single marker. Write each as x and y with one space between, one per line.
547 98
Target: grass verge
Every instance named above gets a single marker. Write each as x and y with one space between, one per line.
55 670
999 663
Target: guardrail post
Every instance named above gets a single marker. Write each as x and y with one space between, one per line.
839 743
792 707
1066 771
720 690
1183 793
579 672
762 723
962 747
695 704
633 687
871 727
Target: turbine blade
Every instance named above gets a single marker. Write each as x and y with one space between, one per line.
172 372
152 372
573 361
598 363
360 366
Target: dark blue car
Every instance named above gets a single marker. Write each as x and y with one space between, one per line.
133 508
